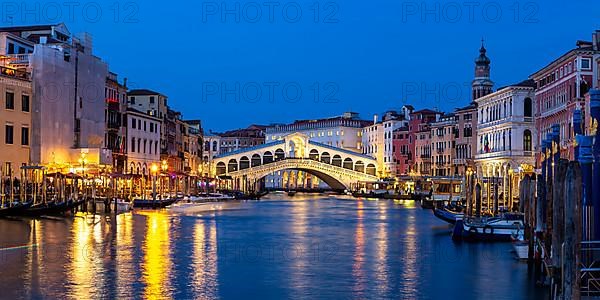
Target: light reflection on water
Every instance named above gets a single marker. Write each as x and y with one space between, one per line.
301 247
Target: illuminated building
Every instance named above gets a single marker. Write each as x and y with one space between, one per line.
378 139
114 111
143 141
560 89
466 139
505 133
443 135
419 129
15 115
192 146
237 139
68 92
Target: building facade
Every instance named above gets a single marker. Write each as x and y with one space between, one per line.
561 87
505 133
143 142
443 135
15 115
466 139
114 113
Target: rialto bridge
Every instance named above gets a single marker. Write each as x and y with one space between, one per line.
339 168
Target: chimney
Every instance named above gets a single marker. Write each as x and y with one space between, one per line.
596 40
374 119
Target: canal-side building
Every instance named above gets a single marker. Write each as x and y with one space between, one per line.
466 139
561 87
143 141
420 140
505 133
68 83
115 108
378 139
443 135
403 157
192 147
15 115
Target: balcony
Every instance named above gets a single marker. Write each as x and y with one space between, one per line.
504 154
16 60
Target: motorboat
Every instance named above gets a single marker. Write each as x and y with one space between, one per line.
447 214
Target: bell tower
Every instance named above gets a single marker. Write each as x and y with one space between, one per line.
481 85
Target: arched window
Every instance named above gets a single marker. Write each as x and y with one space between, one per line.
214 148
527 108
527 140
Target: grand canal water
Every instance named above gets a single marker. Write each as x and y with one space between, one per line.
300 247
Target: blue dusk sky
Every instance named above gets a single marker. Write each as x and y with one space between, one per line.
235 63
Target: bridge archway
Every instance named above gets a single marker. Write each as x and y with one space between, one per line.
371 169
313 154
348 164
255 161
326 157
331 181
279 154
359 166
244 163
221 168
267 157
336 160
232 165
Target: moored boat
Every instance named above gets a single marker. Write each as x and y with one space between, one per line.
150 203
494 229
16 209
447 215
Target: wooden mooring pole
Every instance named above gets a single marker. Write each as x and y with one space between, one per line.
572 232
558 219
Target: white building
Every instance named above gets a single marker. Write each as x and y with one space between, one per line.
68 83
378 139
143 142
505 134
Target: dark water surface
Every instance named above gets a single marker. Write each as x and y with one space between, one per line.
307 247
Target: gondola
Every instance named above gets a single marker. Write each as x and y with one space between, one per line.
49 208
15 209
